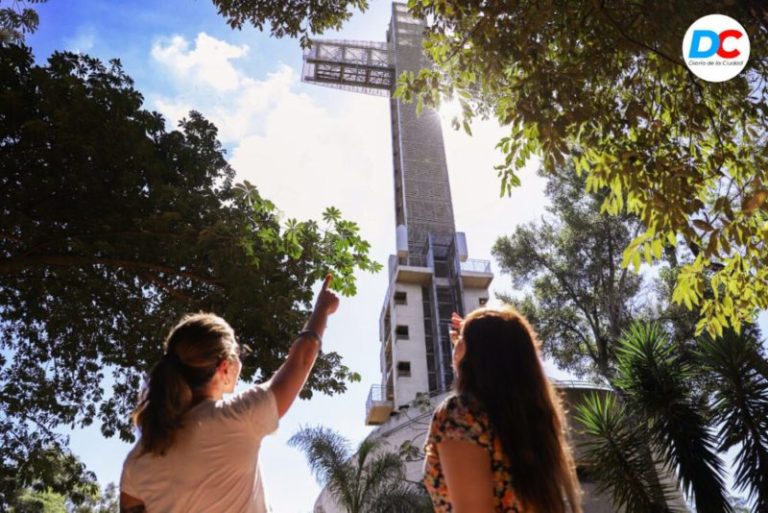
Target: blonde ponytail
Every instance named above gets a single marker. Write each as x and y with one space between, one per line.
193 350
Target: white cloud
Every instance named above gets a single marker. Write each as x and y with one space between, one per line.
205 78
301 155
208 63
307 148
83 41
307 157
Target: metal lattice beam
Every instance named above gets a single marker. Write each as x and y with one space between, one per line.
360 66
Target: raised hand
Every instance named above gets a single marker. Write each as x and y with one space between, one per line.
327 301
293 374
456 322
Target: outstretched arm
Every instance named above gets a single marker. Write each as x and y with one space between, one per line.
292 375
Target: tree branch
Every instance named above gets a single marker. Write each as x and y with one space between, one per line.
12 238
13 265
175 293
601 7
581 335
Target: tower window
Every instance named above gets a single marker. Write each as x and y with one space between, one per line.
404 369
401 298
401 332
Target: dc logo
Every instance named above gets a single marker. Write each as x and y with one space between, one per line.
716 44
716 48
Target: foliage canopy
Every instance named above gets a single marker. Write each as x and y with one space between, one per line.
603 86
111 228
289 17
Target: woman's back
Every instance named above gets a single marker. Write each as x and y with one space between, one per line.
461 418
198 451
499 443
213 463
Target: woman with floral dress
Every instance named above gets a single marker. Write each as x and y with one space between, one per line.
497 443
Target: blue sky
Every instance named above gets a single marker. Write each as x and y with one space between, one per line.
306 148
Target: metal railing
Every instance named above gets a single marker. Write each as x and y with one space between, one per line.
476 266
573 383
377 394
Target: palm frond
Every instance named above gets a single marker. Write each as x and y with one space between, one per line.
615 453
401 498
654 377
740 407
328 453
366 448
384 471
369 481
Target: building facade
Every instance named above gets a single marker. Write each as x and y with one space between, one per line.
430 275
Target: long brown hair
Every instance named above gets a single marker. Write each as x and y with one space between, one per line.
501 369
193 350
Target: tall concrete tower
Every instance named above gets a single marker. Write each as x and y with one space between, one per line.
430 276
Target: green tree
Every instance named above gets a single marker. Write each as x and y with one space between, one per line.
17 20
580 298
655 407
603 85
739 405
653 376
289 18
567 264
31 501
49 481
616 454
371 480
101 501
111 228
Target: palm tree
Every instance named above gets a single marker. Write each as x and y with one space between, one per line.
673 399
655 378
368 481
658 415
740 406
617 457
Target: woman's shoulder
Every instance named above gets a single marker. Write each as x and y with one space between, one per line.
460 417
252 397
461 407
133 454
255 405
460 402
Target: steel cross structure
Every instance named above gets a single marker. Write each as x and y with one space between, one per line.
363 67
430 276
426 232
422 192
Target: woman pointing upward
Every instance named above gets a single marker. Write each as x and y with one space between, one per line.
198 451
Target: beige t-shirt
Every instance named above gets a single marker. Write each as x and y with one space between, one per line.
213 465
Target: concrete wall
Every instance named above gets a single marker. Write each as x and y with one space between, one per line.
411 349
472 298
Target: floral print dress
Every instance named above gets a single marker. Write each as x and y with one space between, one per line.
460 418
